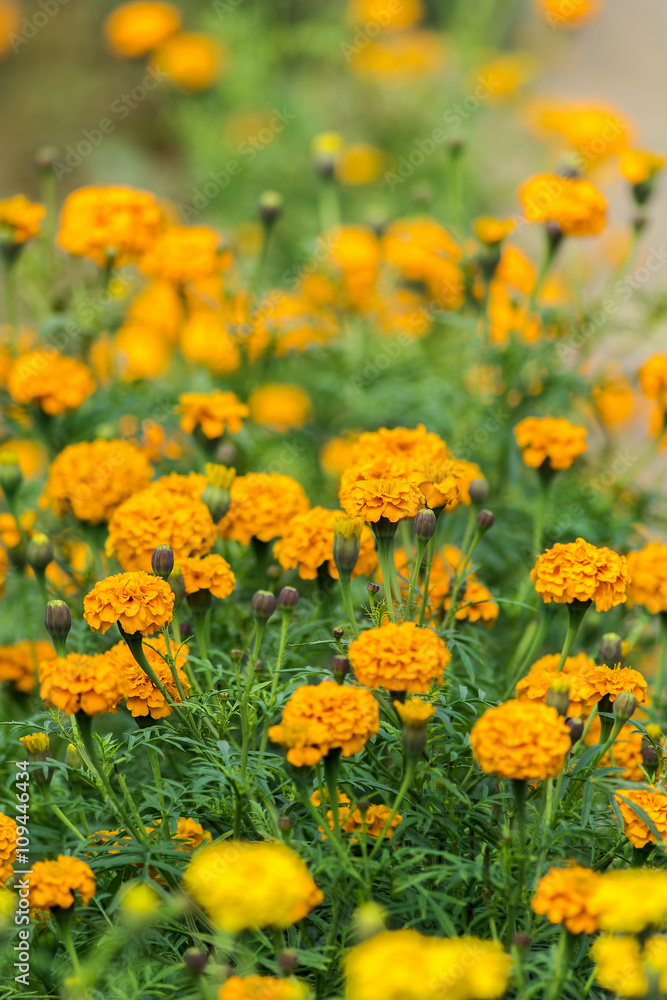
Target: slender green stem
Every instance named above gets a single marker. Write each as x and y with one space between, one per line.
135 644
331 765
459 577
172 663
538 526
346 601
410 768
86 734
385 548
517 892
576 612
154 762
9 274
260 628
430 553
276 677
421 548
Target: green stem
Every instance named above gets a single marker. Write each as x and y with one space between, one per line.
538 526
516 895
260 628
410 769
154 762
430 553
276 678
135 645
346 601
459 577
576 612
385 547
85 725
201 634
9 274
421 548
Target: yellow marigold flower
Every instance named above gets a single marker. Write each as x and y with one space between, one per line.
535 685
392 17
521 741
7 846
183 253
290 323
639 166
653 379
416 447
626 751
336 455
307 544
503 76
19 663
631 900
280 407
400 657
91 479
359 164
323 717
35 742
262 988
263 504
138 602
373 498
207 573
568 13
399 57
53 382
423 251
618 965
407 965
139 903
653 801
206 339
31 456
648 577
604 681
109 223
352 820
578 571
490 230
141 696
141 352
562 895
594 131
159 515
79 683
447 485
574 204
135 28
244 885
20 218
191 833
213 412
54 883
191 59
551 440
415 712
614 399
655 957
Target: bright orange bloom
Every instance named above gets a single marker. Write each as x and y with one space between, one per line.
569 13
653 801
141 696
574 204
653 379
138 602
399 657
214 412
422 251
192 60
537 682
447 485
7 846
20 218
563 894
182 254
54 382
91 479
648 578
113 223
578 571
207 573
639 166
280 407
54 883
263 503
490 231
78 683
521 741
372 499
550 440
307 544
19 662
134 28
399 57
351 819
625 753
594 131
394 17
262 988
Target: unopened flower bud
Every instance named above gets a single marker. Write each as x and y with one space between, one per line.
576 728
326 149
373 588
177 585
285 824
259 667
624 706
338 633
39 552
485 520
236 654
288 961
347 543
263 604
11 476
162 561
217 500
363 805
72 756
610 651
199 601
521 940
424 525
57 622
185 630
340 667
273 572
650 755
270 206
478 491
195 959
558 695
45 157
288 598
368 920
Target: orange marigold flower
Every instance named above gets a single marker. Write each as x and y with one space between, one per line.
53 382
134 28
653 379
19 663
336 454
537 682
476 604
191 833
393 18
568 13
521 741
323 717
109 223
280 407
648 578
20 219
141 351
447 485
594 131
207 339
160 515
490 231
625 753
54 883
562 895
359 163
7 846
138 602
352 819
78 683
191 59
578 571
221 875
549 440
207 573
262 988
307 544
604 681
613 398
423 251
263 504
141 696
639 166
372 499
291 323
653 801
182 254
399 657
91 479
574 204
411 449
9 529
213 412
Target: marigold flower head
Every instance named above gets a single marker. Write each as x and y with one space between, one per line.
631 900
263 504
219 476
653 801
614 399
562 896
399 657
141 696
619 966
407 965
52 381
7 846
423 251
521 741
578 571
574 204
20 218
415 712
262 988
307 544
359 163
280 407
141 352
192 60
638 166
206 339
54 883
416 447
653 379
394 18
373 499
568 14
594 131
181 254
109 223
137 27
373 819
207 573
79 683
91 479
138 602
476 604
19 662
648 578
336 455
290 323
323 717
490 231
161 515
35 742
552 440
606 681
535 685
447 485
626 751
214 412
251 885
